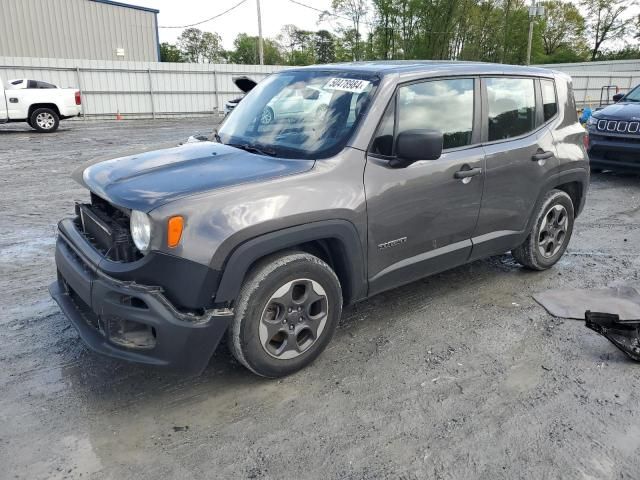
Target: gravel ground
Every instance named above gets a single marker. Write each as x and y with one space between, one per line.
461 375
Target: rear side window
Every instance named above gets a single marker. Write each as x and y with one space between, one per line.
549 102
444 105
512 107
39 84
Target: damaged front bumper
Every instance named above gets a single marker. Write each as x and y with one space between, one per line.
624 334
129 321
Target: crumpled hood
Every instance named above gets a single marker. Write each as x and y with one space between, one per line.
147 180
620 111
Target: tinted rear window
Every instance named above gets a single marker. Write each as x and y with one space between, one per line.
512 107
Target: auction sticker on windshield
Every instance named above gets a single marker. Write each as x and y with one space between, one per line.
347 85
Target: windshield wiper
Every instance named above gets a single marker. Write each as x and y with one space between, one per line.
252 148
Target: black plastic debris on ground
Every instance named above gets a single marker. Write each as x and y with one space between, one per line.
624 334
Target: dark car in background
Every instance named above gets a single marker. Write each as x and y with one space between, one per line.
614 134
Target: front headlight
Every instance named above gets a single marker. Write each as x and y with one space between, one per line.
592 121
140 225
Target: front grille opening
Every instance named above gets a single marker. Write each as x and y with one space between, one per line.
106 228
130 334
621 126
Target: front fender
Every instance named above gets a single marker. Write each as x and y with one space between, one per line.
351 258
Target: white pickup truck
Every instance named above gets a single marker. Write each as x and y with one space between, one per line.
40 104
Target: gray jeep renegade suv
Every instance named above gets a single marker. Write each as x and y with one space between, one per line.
361 177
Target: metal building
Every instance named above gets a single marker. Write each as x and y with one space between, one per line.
78 29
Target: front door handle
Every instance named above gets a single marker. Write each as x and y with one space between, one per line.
542 155
471 172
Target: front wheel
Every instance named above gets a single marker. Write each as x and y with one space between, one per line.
287 311
551 232
44 120
267 116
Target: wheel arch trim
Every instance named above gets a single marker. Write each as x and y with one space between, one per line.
35 106
242 258
576 175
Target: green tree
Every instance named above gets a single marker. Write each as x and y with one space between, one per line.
562 27
245 50
607 20
212 51
298 45
355 11
200 47
627 53
324 46
170 53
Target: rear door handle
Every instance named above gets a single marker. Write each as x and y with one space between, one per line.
472 172
542 156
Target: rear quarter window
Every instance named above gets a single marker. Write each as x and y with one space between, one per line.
549 99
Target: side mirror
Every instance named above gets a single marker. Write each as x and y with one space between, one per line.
310 94
617 97
419 144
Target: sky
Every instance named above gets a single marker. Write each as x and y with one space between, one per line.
243 19
275 14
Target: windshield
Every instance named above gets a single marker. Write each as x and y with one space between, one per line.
304 114
633 95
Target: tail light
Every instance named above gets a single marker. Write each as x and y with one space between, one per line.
585 140
78 98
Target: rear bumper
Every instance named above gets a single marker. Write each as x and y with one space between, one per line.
616 153
70 111
129 321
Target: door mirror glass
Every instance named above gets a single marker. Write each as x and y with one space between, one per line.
617 97
417 144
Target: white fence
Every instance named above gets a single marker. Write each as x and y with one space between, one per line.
589 88
589 78
139 89
152 90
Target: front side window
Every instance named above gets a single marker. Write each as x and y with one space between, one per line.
444 105
512 107
304 114
549 102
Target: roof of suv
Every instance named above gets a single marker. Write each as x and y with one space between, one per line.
400 67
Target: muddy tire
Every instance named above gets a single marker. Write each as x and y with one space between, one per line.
551 232
44 120
287 311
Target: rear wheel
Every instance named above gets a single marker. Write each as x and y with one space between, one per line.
551 232
44 120
286 314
